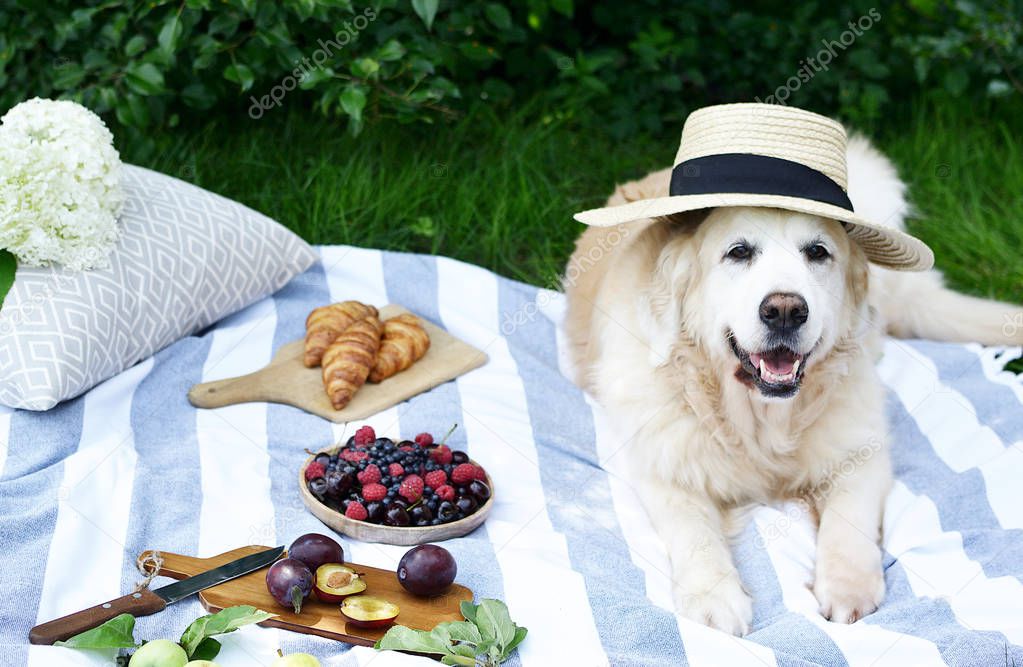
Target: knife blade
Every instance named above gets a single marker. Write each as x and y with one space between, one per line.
146 601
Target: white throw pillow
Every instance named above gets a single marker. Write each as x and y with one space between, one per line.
186 258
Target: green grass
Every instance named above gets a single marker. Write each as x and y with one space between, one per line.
500 191
497 192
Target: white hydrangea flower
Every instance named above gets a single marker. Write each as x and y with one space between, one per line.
60 185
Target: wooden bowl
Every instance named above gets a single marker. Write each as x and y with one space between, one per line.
373 532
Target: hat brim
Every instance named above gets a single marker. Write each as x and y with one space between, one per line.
882 245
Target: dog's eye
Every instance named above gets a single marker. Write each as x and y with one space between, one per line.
816 252
739 252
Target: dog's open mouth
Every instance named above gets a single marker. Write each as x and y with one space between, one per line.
776 372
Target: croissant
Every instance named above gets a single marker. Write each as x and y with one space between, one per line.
405 342
325 324
348 360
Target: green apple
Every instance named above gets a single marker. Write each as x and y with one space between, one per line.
296 660
159 653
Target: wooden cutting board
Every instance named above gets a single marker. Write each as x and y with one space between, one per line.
317 618
286 379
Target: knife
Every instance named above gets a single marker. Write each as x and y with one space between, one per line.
148 601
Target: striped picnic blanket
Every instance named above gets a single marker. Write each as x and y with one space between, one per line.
131 466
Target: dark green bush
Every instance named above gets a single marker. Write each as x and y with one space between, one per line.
627 66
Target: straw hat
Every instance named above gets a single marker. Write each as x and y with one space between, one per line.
768 155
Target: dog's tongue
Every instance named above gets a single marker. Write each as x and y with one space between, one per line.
779 362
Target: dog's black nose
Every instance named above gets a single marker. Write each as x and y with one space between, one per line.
783 312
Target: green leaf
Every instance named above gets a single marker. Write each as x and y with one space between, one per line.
68 75
144 78
498 15
224 23
401 638
426 10
8 267
198 96
392 50
468 610
170 33
135 46
365 68
520 634
461 631
206 650
563 7
240 74
132 110
353 101
118 632
493 620
224 621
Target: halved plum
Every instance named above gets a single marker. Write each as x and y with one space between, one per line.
334 582
367 611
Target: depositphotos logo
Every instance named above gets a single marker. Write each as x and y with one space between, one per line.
348 33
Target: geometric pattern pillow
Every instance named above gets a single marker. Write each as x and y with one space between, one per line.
186 258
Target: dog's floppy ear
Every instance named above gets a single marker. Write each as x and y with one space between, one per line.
673 275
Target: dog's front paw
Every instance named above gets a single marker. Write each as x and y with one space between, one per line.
849 584
723 605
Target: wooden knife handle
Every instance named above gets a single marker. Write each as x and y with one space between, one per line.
143 603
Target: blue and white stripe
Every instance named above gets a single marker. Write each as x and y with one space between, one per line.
131 466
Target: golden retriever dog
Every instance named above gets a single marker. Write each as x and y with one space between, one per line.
736 347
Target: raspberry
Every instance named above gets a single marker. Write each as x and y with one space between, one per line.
463 474
356 511
424 439
374 492
371 475
314 470
481 474
445 492
395 470
436 479
441 454
354 455
411 488
365 435
405 448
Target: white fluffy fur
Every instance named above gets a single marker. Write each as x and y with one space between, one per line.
649 305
